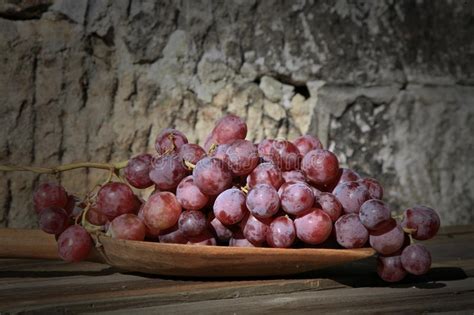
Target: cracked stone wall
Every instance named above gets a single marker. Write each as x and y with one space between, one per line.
388 85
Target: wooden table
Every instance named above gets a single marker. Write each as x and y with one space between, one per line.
49 287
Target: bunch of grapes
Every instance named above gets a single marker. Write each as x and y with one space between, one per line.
234 192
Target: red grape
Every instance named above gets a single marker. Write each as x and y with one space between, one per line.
173 235
285 155
313 227
350 233
265 173
223 233
161 211
263 201
242 157
127 227
281 232
53 220
390 268
416 259
351 195
321 167
329 204
423 220
114 199
228 129
296 198
374 214
167 171
95 216
220 152
348 175
169 140
212 176
255 230
192 223
138 170
189 195
307 143
266 151
240 242
229 207
206 238
74 244
294 176
192 153
49 195
389 242
374 188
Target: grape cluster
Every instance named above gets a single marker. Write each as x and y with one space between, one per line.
234 192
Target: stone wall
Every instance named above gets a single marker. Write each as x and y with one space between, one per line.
388 85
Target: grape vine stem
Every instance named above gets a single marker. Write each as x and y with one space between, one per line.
64 167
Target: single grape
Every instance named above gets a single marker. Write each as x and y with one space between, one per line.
313 227
206 238
307 143
255 230
242 157
351 195
189 195
192 153
350 232
150 233
348 175
114 199
74 244
390 268
220 152
95 216
321 167
423 220
212 176
265 173
161 211
374 188
296 198
266 151
53 220
138 170
389 242
49 195
229 207
374 214
416 259
263 201
281 232
169 140
222 232
172 235
329 204
285 155
240 242
167 171
192 223
228 129
293 176
127 227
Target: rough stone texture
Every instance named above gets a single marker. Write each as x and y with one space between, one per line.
388 85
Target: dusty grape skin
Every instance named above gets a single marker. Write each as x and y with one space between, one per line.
281 233
313 227
114 199
374 188
167 171
374 214
127 227
95 217
49 195
192 223
425 221
388 242
164 144
189 195
390 268
285 155
206 238
416 259
220 152
240 242
191 152
212 176
161 211
263 201
351 195
348 175
296 198
294 176
265 173
242 157
350 232
74 244
150 233
255 230
321 167
229 128
222 232
266 151
172 235
307 143
138 170
53 220
229 207
329 204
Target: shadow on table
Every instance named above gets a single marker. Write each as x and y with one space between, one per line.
54 273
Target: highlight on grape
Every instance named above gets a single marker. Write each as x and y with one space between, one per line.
233 192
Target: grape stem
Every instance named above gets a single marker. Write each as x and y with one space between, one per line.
65 167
